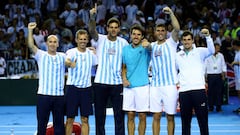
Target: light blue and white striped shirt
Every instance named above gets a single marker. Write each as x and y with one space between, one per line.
109 55
80 76
163 58
51 73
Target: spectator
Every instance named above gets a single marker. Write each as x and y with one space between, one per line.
38 37
117 9
236 66
83 13
101 27
131 10
69 16
215 70
66 44
32 12
11 7
140 19
102 11
2 65
73 4
20 16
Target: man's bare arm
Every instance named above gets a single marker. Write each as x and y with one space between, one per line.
31 44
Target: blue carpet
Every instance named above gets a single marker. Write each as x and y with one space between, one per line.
21 120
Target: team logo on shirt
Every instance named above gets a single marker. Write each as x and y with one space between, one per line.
158 53
182 54
111 51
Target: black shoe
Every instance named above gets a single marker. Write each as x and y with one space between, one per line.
219 109
210 109
237 110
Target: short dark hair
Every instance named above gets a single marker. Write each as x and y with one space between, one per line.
137 27
236 42
113 20
186 33
161 25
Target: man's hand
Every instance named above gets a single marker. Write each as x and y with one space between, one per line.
71 64
32 25
92 49
145 43
167 10
126 83
205 32
93 11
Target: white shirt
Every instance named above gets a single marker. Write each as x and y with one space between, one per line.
101 13
69 17
191 66
163 58
2 65
237 67
131 11
215 64
109 55
39 39
84 15
51 73
80 76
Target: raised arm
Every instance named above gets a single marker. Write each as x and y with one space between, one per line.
31 44
92 23
209 40
175 23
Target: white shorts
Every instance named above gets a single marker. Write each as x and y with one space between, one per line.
136 99
164 99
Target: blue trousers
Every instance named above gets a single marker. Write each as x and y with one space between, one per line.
103 93
197 100
45 105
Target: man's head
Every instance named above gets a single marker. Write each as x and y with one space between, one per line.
160 32
82 38
236 44
52 43
187 40
113 27
137 34
217 47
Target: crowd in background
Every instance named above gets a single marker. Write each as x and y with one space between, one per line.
65 17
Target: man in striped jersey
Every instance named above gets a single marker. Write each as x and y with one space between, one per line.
108 80
50 95
79 61
163 90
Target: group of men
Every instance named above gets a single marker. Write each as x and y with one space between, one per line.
122 77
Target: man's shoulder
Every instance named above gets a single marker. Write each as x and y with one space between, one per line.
61 54
123 40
